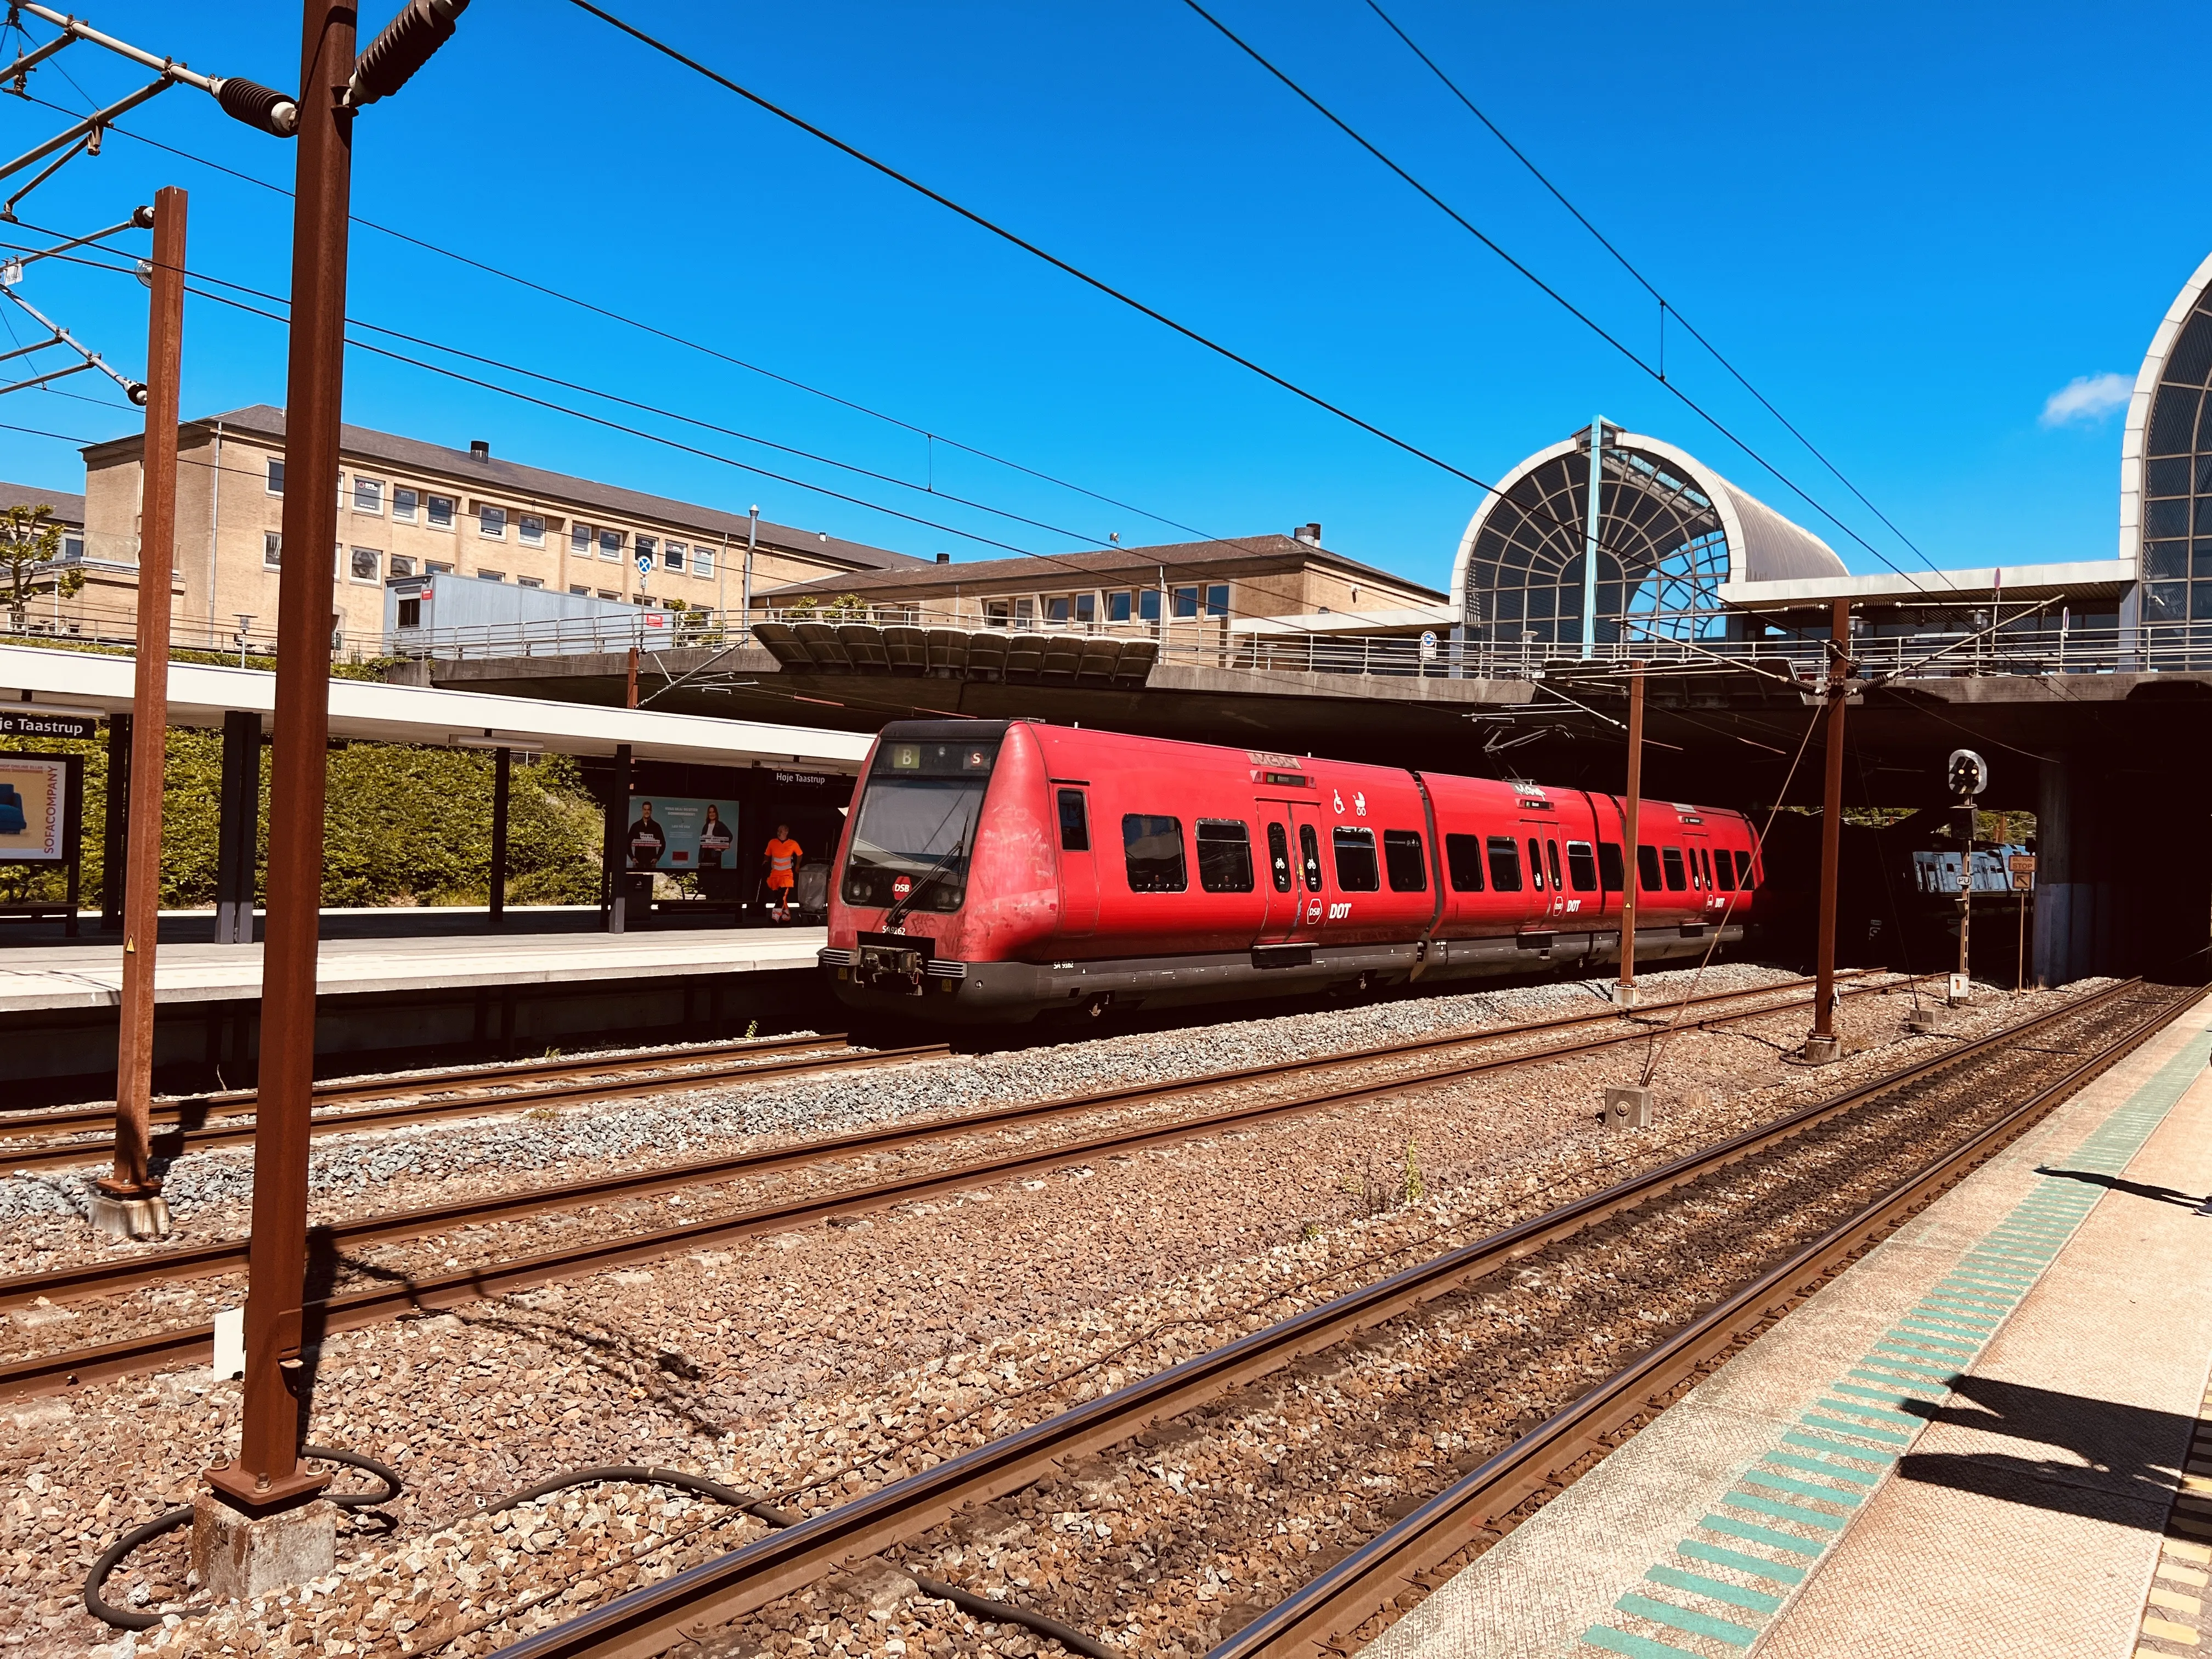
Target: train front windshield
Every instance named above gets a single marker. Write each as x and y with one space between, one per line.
918 812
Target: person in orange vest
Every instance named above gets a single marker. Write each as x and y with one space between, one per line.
781 859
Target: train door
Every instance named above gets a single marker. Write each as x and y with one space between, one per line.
1292 830
1546 891
1078 867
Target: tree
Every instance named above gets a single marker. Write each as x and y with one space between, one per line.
30 561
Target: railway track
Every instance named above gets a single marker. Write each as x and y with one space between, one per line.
389 1298
1328 1614
540 1086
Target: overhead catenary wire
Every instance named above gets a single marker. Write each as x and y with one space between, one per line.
1581 316
1666 306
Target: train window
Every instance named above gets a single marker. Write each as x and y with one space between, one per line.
1504 865
1552 857
1464 857
1608 865
1279 858
1153 847
1697 875
1744 878
1705 858
1582 866
1355 872
1224 855
1074 822
1672 858
1535 864
1647 868
1310 856
1724 867
1406 861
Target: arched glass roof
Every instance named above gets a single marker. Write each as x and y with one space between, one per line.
2165 463
1670 531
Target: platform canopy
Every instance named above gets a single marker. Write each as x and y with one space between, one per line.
1669 531
200 694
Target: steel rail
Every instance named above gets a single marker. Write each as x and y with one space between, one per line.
647 1620
175 1142
337 1092
63 1155
113 1276
1324 1616
353 1311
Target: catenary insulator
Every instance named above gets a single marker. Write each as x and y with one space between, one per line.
404 46
273 112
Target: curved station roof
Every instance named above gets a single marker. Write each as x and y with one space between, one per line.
2166 462
1670 530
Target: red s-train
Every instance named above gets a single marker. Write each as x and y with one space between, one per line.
994 870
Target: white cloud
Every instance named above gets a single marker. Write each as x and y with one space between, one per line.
2088 397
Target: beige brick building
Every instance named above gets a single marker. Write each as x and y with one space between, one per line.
1256 583
406 507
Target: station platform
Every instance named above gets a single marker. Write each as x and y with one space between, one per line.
408 989
1990 1439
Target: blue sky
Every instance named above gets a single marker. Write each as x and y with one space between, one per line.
1910 227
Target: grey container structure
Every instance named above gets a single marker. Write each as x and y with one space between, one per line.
443 615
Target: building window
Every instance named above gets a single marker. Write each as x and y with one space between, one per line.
1186 602
671 555
403 506
410 613
702 560
1217 599
998 613
366 565
1117 606
605 595
275 485
610 543
580 540
1060 607
272 546
402 565
579 590
484 575
72 550
491 522
368 496
529 581
531 529
437 568
1024 613
441 512
1148 605
649 552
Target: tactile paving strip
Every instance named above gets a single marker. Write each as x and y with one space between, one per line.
2175 1621
1720 1589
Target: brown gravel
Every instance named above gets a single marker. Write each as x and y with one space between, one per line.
818 1363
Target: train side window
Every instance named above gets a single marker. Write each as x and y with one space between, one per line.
1744 878
1504 865
1724 867
1535 864
1224 855
1647 868
1406 861
1608 865
1356 871
1582 866
1697 875
1310 856
1074 822
1463 859
1705 858
1153 847
1677 882
1552 857
1279 858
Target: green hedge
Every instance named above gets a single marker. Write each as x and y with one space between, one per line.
403 825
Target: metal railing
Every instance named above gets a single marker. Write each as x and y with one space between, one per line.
1210 643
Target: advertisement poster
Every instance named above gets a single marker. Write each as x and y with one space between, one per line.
33 791
676 833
